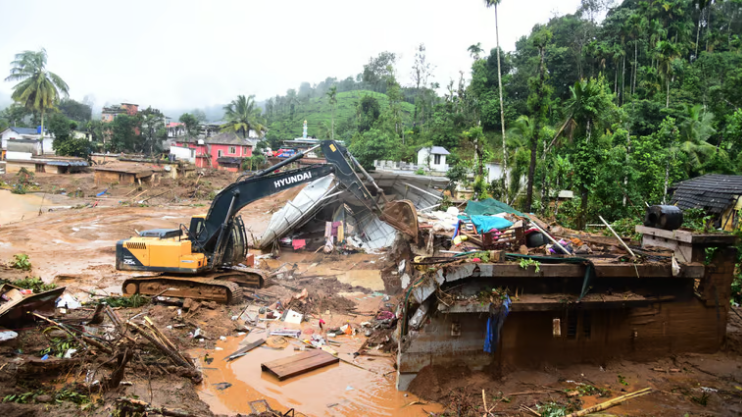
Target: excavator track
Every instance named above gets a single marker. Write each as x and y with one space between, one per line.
224 287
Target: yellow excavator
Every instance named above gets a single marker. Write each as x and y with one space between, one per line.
205 260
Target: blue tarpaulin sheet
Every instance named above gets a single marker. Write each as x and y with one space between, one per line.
489 206
485 224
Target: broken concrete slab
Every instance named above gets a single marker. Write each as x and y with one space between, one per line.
460 271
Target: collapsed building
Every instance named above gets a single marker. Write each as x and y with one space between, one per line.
324 211
515 307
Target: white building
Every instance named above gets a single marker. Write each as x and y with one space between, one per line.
433 157
183 153
26 133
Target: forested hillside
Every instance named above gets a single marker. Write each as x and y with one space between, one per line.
317 111
616 110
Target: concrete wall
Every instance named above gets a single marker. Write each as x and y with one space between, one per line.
14 166
183 153
111 177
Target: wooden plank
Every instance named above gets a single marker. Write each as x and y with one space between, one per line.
299 364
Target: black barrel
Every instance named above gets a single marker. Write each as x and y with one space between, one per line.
664 217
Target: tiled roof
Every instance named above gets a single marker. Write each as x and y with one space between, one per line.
712 192
24 130
227 138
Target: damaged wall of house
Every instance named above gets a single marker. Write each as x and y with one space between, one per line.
559 309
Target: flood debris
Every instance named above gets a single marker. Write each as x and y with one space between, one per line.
16 302
243 351
130 407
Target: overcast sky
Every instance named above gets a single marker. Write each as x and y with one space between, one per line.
193 53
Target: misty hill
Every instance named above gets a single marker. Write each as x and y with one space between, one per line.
317 111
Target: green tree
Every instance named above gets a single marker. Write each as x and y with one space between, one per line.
242 116
538 103
494 3
332 98
666 52
65 144
14 115
368 111
590 109
38 89
152 123
74 110
191 124
124 137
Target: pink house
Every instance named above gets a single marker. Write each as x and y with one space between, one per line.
225 151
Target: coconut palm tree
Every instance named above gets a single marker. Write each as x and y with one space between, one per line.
495 3
38 88
242 116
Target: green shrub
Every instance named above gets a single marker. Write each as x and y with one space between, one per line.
21 261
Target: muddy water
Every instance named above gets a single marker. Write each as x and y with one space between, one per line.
365 388
336 390
16 207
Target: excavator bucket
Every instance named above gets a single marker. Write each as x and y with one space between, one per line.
401 215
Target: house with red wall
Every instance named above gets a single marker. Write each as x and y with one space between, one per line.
225 151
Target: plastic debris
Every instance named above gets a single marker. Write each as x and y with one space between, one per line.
68 302
293 317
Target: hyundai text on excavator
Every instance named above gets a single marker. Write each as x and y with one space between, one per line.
204 260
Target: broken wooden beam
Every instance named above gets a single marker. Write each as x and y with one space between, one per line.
242 352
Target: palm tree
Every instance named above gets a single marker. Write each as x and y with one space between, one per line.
242 116
635 27
475 50
38 89
666 52
494 3
332 97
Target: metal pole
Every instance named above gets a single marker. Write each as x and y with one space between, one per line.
617 236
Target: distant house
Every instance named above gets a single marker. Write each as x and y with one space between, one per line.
226 145
720 196
111 112
433 157
47 164
175 130
26 134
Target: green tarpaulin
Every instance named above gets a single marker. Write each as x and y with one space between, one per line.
489 206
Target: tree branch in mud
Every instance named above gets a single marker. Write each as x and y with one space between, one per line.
131 407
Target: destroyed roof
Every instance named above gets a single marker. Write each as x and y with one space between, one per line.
711 192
